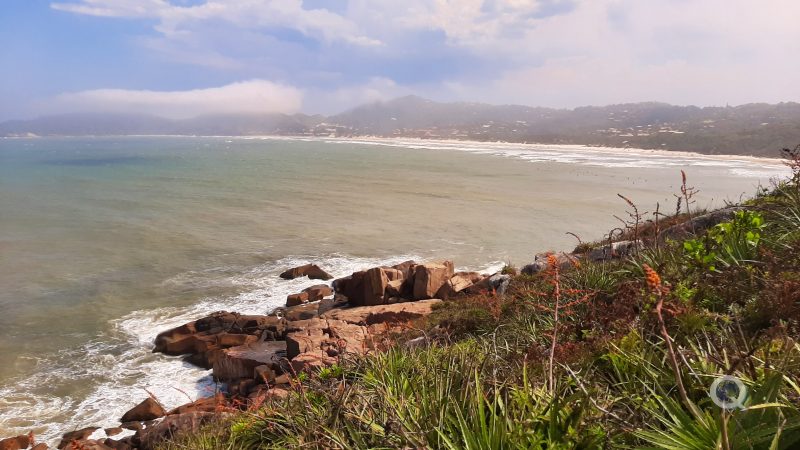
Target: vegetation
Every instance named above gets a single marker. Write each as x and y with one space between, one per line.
615 354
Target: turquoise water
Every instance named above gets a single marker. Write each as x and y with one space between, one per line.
106 241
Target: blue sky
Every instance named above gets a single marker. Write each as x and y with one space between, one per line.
180 58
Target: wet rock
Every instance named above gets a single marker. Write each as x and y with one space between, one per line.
296 299
430 277
39 446
148 409
113 431
239 362
15 443
318 292
77 435
312 271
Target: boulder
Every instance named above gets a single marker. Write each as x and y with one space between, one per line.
318 292
540 263
40 446
238 362
352 287
375 281
406 268
171 427
148 409
430 277
457 283
77 435
113 431
15 443
312 271
296 299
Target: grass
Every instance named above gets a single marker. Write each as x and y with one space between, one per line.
633 346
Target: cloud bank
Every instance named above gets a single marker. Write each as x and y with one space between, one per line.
557 53
247 97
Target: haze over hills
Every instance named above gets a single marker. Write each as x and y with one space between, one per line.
751 129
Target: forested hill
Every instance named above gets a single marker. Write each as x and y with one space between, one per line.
752 129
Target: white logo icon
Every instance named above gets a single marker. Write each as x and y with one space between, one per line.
728 392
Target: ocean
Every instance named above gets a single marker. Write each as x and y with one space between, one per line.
106 241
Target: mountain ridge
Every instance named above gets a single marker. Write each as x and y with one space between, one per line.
757 129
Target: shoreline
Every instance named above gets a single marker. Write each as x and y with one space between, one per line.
399 142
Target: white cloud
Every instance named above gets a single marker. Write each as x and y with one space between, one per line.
538 52
337 100
252 14
247 97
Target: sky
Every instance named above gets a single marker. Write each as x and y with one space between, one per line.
183 58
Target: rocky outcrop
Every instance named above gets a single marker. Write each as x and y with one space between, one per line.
239 362
700 223
402 282
258 355
172 426
148 409
323 337
205 338
312 271
389 314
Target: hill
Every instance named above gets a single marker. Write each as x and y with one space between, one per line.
752 129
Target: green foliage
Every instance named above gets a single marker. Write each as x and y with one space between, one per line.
332 372
734 242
